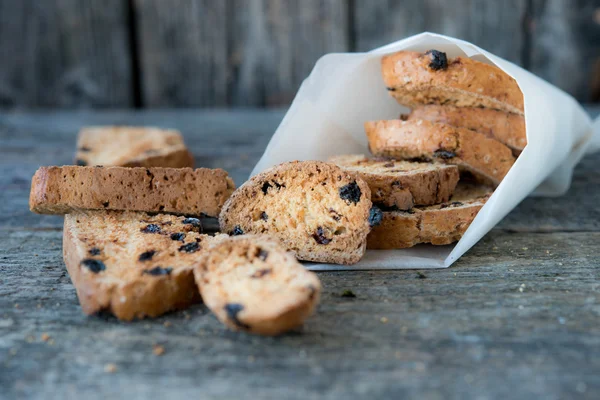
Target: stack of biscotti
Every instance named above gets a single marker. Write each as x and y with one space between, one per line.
466 124
464 112
133 241
125 254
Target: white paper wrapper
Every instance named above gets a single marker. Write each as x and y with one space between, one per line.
345 90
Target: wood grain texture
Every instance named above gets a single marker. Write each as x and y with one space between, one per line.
492 25
275 44
182 47
503 323
516 317
64 53
565 45
234 52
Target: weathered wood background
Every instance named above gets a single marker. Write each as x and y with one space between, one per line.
205 53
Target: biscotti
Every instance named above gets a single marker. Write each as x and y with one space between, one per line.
252 284
416 79
486 159
439 224
402 184
507 128
317 210
133 265
185 191
132 147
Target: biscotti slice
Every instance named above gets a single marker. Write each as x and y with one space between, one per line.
439 224
486 159
416 79
131 264
252 284
402 184
317 210
507 128
132 147
186 191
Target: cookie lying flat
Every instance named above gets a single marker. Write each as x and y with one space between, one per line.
317 210
402 184
251 283
486 159
439 224
507 128
133 265
60 190
416 79
132 147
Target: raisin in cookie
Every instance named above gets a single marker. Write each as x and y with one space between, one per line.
439 224
317 210
402 184
416 79
60 190
132 147
252 284
486 159
507 128
133 265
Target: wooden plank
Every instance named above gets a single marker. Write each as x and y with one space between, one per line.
182 48
492 25
64 53
275 44
516 318
565 37
234 52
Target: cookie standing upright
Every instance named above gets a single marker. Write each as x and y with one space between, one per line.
131 264
186 191
132 147
317 210
402 184
415 79
252 284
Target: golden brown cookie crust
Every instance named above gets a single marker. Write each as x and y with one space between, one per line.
60 190
439 224
507 128
252 284
402 184
486 159
132 147
317 210
133 265
465 82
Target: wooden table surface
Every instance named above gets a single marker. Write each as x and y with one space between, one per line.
517 317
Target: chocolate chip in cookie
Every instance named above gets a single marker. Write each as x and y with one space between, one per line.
438 60
151 228
232 310
350 192
147 255
95 266
375 216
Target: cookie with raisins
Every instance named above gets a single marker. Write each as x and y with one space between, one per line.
252 284
317 210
